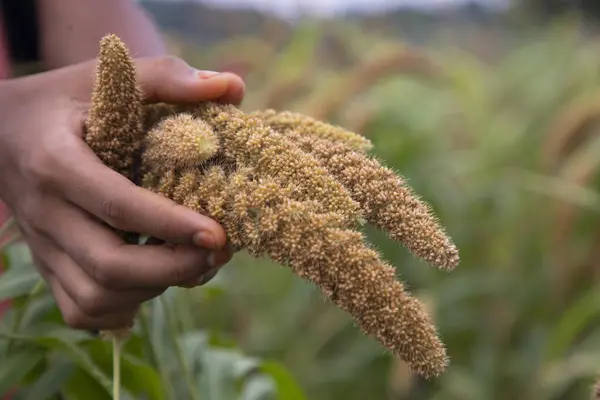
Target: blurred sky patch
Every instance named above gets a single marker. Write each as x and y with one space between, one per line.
291 8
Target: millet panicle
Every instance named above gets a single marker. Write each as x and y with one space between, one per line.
283 186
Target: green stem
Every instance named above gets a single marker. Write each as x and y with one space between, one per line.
116 342
179 352
37 289
152 354
7 226
5 239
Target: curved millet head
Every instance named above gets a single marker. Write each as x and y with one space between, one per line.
180 141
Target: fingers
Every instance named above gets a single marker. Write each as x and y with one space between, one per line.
221 258
78 319
107 260
74 315
113 199
172 80
89 295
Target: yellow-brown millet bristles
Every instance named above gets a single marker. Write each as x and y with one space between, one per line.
249 142
292 191
180 141
286 121
114 123
258 215
596 391
155 113
386 200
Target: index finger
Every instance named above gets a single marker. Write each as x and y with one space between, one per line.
115 200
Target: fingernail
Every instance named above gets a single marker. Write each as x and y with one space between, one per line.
189 285
205 239
204 279
206 74
217 259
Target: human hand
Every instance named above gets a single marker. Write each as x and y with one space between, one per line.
63 197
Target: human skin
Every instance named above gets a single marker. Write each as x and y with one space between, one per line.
65 200
70 29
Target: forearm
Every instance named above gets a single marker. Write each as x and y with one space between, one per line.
71 29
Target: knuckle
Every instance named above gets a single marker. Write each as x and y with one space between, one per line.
74 318
90 300
102 269
112 213
166 64
40 167
31 210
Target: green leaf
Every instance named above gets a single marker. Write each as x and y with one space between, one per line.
259 388
52 380
83 386
47 331
6 227
574 321
18 281
16 366
137 377
18 255
217 379
37 312
79 357
67 342
284 382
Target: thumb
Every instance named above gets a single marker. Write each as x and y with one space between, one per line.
172 80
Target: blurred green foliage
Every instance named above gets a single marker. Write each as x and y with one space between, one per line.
590 8
507 155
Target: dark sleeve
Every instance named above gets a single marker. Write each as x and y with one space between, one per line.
22 29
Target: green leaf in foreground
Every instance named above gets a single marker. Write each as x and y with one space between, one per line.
52 380
66 341
574 321
14 367
18 282
137 377
286 386
18 255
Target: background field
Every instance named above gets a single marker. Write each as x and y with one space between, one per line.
493 119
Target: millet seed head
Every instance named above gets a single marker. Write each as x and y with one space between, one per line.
283 186
114 123
180 141
288 121
259 216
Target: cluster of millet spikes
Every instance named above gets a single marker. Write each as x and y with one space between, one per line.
264 220
386 201
287 121
289 188
248 141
